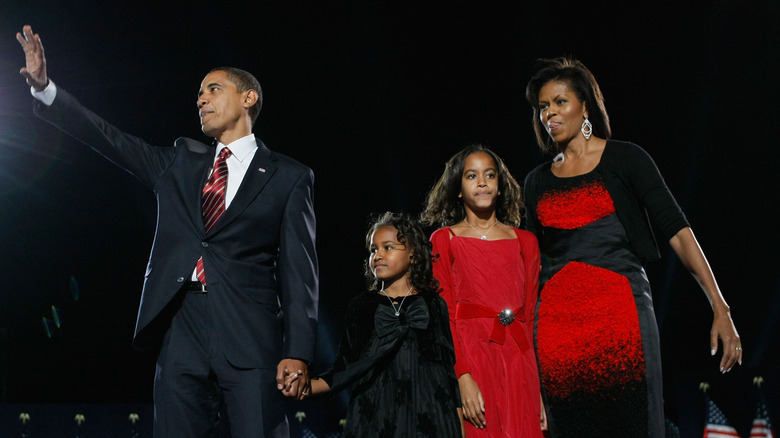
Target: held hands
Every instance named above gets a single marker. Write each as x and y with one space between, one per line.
723 328
289 378
35 69
473 403
292 378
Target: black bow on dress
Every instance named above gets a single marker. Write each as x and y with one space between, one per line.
414 315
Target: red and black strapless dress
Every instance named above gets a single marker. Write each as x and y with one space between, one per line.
597 338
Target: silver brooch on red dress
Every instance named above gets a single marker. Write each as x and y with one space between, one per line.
506 317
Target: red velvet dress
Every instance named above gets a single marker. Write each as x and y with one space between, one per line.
480 279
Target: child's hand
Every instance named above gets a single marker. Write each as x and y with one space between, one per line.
473 403
543 416
289 378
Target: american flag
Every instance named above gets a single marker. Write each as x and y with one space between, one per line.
717 425
672 431
762 427
307 433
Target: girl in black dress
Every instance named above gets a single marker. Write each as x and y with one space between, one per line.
396 350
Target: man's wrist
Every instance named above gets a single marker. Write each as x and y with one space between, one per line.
47 95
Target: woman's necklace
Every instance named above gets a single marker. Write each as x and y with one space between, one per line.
484 236
397 309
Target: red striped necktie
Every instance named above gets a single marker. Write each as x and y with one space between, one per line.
214 200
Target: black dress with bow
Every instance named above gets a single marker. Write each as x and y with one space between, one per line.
399 368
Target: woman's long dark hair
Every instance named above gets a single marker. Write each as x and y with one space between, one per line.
444 207
410 234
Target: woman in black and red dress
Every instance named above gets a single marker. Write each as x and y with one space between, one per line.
595 209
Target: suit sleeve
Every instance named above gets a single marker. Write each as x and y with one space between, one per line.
142 160
298 271
442 270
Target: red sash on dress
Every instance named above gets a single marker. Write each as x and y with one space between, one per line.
498 335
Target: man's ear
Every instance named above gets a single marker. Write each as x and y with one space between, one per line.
250 98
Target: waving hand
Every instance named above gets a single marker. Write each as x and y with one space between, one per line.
35 69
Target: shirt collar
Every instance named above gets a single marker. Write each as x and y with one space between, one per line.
241 147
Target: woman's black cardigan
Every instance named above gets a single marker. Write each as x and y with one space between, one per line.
638 191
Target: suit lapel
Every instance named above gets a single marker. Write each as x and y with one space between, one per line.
203 160
257 176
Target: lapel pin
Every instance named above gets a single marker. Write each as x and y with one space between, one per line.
262 169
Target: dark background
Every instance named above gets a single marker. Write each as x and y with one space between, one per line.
375 97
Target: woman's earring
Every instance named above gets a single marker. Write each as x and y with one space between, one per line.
587 128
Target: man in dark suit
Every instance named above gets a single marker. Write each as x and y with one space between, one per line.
231 288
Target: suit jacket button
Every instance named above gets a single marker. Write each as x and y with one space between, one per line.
180 279
205 244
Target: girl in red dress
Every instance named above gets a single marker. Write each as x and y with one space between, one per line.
488 270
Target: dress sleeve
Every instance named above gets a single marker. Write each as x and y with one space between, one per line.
349 349
442 270
646 182
438 309
529 199
532 265
442 330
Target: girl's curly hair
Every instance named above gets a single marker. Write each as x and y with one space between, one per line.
410 234
444 207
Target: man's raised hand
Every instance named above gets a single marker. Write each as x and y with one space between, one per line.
35 69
